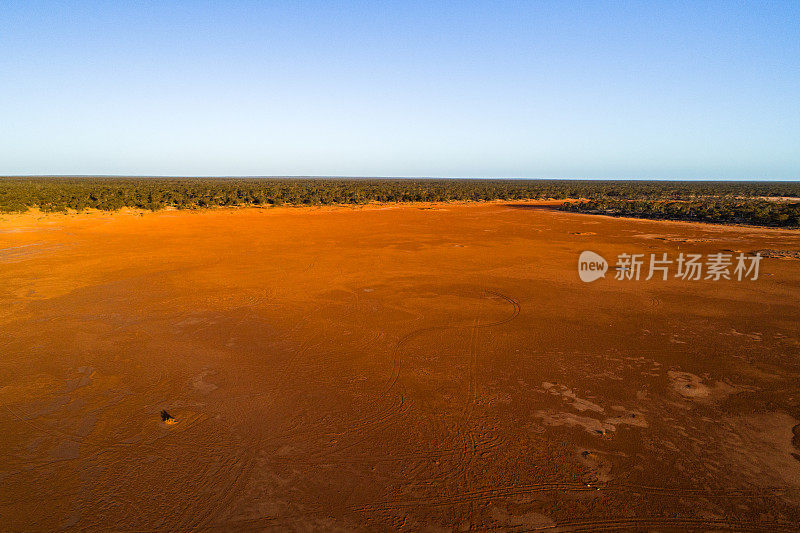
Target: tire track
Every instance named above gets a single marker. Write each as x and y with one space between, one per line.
522 490
396 356
470 450
671 522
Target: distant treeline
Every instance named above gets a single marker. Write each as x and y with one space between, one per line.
734 210
61 194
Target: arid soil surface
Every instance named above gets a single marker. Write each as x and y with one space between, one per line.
416 368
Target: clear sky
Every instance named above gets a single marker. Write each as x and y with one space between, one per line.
686 90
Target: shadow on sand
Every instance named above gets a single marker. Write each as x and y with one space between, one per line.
546 207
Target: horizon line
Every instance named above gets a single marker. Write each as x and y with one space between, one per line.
345 177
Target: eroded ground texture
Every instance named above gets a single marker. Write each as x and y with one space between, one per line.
412 368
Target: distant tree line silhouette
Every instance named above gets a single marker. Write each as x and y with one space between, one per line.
709 201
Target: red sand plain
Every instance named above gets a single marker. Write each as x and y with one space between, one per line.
416 368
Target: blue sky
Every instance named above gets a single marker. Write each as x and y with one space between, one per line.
685 90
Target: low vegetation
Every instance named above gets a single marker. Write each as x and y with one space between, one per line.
751 211
739 202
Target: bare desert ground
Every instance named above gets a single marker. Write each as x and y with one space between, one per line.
416 368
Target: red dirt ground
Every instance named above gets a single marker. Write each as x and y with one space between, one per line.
398 367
